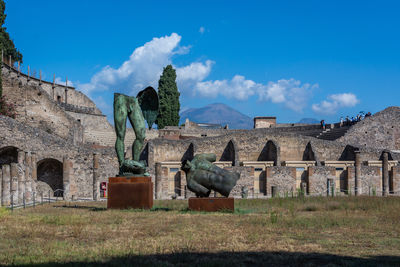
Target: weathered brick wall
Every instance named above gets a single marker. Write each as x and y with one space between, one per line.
318 179
282 178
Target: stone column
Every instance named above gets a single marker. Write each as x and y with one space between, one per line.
67 169
28 177
183 183
1 186
96 177
357 189
21 175
385 174
157 181
34 171
5 196
14 182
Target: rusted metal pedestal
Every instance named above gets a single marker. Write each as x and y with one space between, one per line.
212 204
130 193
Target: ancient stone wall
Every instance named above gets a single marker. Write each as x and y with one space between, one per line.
395 180
318 184
246 180
57 92
370 181
378 131
35 108
51 147
281 181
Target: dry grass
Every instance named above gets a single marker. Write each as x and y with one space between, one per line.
282 231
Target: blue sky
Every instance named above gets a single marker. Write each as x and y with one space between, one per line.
290 59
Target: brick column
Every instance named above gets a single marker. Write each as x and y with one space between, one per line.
28 177
385 174
14 182
67 169
357 176
96 176
21 175
5 196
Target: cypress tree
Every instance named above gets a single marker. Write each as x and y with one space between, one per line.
6 44
168 95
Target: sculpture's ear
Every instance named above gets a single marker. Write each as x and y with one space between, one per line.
148 101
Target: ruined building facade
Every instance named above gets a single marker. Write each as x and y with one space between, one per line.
61 144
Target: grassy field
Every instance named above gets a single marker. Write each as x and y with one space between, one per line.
282 231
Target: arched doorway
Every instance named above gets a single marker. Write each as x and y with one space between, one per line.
229 153
189 153
270 152
8 154
50 177
308 154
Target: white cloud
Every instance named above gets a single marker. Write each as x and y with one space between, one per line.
202 30
146 63
290 92
60 81
143 68
334 102
238 88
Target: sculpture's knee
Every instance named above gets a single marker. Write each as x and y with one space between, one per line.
140 134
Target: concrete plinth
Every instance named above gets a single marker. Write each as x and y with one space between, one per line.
130 192
212 204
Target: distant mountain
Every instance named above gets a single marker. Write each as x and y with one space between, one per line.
218 113
308 121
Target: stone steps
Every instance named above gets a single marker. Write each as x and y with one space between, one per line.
333 134
107 138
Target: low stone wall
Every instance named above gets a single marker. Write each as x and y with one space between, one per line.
395 176
370 181
246 180
283 179
318 180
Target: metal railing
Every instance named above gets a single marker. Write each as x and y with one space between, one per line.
26 201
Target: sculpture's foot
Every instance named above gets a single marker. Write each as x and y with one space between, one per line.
133 168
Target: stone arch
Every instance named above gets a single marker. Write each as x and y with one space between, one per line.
230 153
309 154
8 154
389 155
189 153
270 152
349 153
50 177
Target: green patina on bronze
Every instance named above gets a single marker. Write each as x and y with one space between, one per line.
134 109
202 176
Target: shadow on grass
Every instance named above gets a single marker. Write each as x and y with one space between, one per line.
157 208
81 207
237 259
